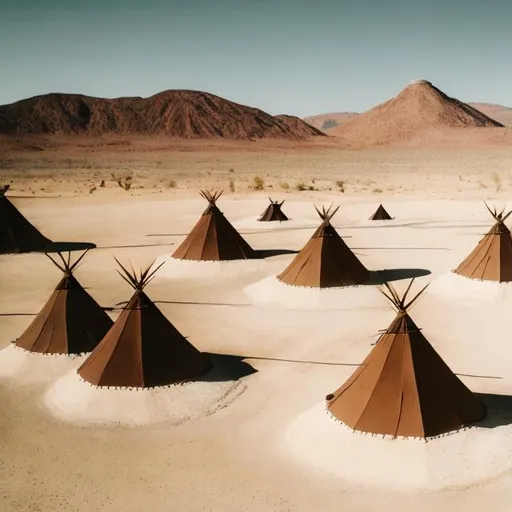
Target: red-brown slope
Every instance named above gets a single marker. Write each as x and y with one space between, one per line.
299 126
175 113
420 112
502 114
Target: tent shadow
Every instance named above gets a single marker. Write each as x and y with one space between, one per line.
499 410
378 277
133 246
225 368
68 246
269 253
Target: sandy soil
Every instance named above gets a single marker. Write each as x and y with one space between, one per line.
239 458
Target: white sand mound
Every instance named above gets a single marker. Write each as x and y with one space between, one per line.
175 269
253 224
272 292
454 286
19 364
463 458
74 400
379 222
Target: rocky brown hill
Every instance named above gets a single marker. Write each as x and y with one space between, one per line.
299 126
420 111
175 113
498 112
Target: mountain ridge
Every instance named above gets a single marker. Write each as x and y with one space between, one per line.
177 113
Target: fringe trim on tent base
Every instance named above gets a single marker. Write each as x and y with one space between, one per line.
394 438
45 354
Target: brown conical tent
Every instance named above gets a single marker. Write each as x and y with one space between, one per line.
273 212
17 234
71 321
403 387
142 349
325 261
491 259
214 238
380 214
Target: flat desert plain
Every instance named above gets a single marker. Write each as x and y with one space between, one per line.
266 447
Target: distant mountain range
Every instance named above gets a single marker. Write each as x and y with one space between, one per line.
419 114
176 113
326 122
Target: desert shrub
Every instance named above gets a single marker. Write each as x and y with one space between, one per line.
285 186
301 186
497 181
124 182
126 185
258 183
231 185
341 185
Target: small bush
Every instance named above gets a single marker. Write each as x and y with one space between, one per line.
258 183
125 183
285 185
231 185
497 181
231 170
301 186
377 191
341 185
172 183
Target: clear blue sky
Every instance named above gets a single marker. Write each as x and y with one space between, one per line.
301 57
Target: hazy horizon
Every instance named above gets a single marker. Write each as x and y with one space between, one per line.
282 56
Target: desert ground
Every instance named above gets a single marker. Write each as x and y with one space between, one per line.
249 454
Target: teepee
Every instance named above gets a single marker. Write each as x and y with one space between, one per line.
17 234
491 259
142 349
71 321
403 388
380 214
273 212
214 238
325 261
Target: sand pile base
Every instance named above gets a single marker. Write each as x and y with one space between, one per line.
21 365
454 286
175 268
272 292
253 224
463 458
74 400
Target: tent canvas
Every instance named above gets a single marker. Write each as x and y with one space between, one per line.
491 259
143 348
380 214
71 321
214 238
403 388
325 261
273 212
17 234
